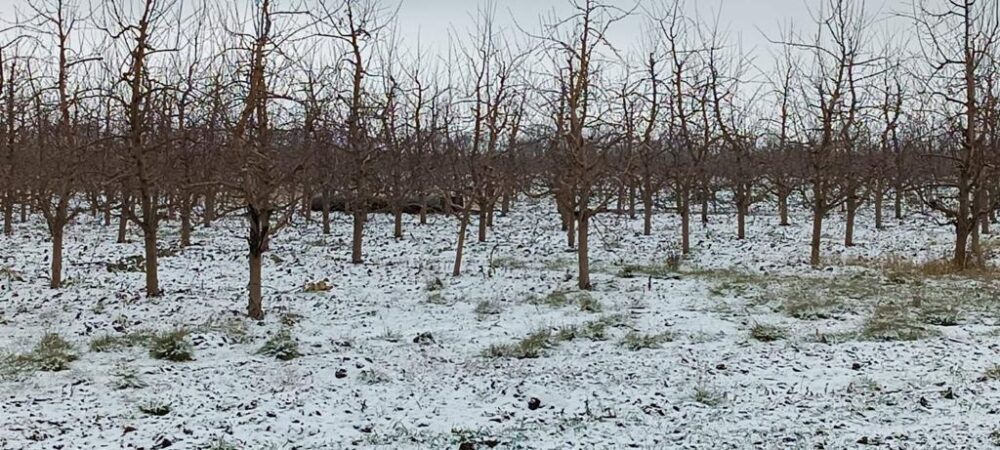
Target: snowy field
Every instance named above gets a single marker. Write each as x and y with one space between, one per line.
744 346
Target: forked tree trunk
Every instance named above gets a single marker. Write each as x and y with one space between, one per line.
963 227
259 222
852 209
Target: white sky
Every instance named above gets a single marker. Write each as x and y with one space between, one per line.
747 22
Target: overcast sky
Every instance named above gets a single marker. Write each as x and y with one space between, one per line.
431 22
748 22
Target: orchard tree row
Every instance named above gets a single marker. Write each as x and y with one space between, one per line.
153 111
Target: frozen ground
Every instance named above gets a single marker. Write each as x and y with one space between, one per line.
836 375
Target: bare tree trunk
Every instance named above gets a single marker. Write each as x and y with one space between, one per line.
647 210
879 194
977 248
571 229
307 205
209 217
583 257
632 202
397 230
423 207
961 244
187 201
152 264
704 206
741 220
564 216
55 271
783 208
984 221
8 214
505 203
460 246
326 212
620 198
171 207
255 307
358 236
684 208
742 209
962 226
852 209
482 223
93 199
898 203
123 218
819 209
108 195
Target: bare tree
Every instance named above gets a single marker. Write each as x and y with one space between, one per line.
838 62
264 172
144 155
59 145
574 44
357 25
959 40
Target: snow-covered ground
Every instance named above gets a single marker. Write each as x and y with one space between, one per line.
392 360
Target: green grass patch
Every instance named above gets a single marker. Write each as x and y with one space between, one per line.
636 341
767 332
282 346
171 346
894 322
